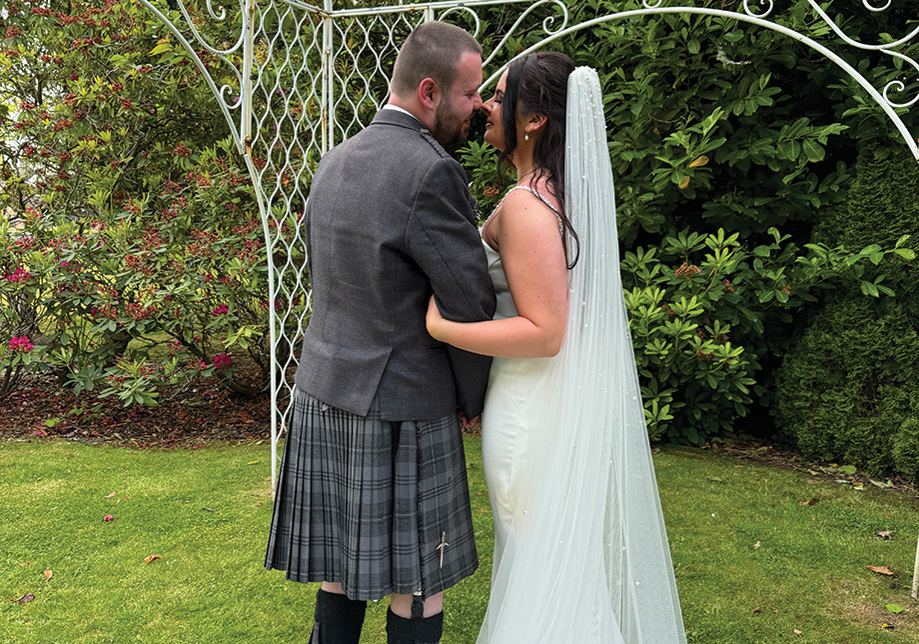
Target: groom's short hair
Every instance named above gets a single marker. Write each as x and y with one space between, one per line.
432 50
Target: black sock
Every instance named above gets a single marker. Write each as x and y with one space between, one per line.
338 619
418 629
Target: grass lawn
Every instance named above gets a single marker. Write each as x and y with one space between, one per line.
753 564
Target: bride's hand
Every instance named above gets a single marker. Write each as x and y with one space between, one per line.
433 317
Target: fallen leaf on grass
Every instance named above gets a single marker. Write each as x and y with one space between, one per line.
756 545
251 462
111 495
889 483
893 608
48 574
812 501
847 469
757 610
886 627
797 632
886 534
25 599
152 558
884 570
107 517
23 565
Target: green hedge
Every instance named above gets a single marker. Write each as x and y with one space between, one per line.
848 390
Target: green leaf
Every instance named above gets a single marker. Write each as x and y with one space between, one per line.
812 150
847 469
161 48
893 608
869 289
734 36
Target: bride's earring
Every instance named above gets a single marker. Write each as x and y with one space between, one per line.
526 136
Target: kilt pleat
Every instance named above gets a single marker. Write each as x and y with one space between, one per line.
368 503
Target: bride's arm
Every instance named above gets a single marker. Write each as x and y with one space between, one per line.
533 256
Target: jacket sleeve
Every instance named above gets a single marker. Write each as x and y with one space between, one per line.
442 238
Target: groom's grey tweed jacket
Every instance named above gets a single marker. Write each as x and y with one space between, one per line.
390 221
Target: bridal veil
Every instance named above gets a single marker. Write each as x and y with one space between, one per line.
593 532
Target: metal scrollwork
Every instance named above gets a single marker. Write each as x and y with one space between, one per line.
223 12
869 6
466 10
547 24
896 86
759 13
223 16
222 93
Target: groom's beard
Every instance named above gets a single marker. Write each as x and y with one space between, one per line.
449 129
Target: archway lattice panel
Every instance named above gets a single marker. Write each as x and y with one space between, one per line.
302 76
317 82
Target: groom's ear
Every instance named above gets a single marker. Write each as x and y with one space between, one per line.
428 93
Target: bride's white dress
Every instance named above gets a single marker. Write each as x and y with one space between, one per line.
508 416
514 430
581 554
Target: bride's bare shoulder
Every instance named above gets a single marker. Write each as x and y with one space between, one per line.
534 206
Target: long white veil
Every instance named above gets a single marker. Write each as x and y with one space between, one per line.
594 525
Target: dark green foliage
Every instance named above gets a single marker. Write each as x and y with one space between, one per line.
845 388
881 207
905 450
848 383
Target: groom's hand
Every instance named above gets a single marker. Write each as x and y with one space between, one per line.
468 423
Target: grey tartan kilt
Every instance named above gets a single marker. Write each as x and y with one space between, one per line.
368 503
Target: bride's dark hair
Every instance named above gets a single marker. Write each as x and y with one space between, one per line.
538 84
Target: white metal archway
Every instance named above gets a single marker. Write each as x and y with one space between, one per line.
302 75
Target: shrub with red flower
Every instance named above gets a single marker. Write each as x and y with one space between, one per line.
147 270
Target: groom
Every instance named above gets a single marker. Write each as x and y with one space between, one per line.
389 222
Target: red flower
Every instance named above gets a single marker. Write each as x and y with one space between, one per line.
19 275
222 361
20 344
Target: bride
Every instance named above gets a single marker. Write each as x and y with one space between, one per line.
580 547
